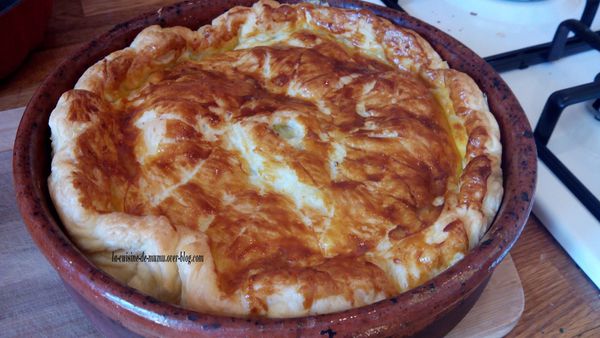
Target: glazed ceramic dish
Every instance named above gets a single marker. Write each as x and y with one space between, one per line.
432 308
312 160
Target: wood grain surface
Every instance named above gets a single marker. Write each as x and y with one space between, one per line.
559 300
498 309
33 302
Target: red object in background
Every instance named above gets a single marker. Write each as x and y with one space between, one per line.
22 27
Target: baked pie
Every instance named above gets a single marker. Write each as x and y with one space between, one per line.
318 158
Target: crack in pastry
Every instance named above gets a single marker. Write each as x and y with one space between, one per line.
319 159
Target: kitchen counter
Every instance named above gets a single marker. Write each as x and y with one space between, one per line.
559 299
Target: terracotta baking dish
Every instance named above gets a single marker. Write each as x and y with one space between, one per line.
429 310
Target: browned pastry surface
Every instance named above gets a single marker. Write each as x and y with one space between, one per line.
318 158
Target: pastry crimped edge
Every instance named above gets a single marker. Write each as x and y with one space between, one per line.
195 286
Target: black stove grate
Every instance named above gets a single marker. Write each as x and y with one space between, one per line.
553 109
530 56
393 4
561 46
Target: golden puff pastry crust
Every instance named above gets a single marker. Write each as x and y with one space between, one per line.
318 158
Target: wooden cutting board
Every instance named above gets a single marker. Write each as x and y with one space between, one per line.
498 309
33 301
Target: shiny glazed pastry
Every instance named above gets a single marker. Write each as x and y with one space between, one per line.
318 158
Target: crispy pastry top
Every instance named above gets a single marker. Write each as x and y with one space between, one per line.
318 158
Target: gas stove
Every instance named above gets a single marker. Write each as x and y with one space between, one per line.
558 86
